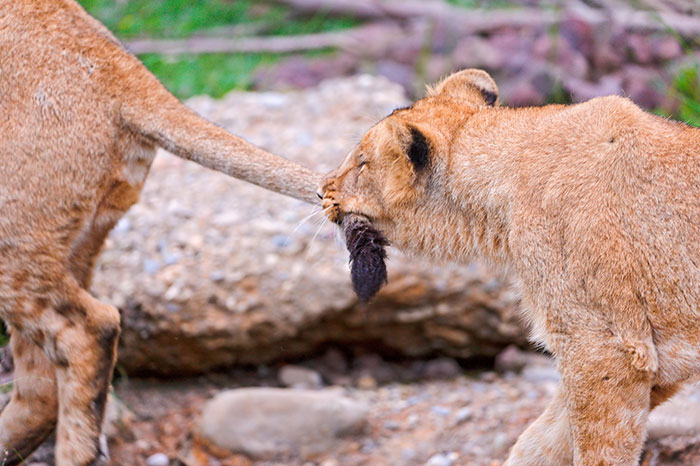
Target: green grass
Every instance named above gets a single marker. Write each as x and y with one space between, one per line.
171 18
212 74
4 336
686 90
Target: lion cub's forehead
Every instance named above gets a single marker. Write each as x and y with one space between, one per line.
435 111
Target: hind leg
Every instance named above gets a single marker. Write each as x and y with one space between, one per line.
84 355
547 442
31 414
78 335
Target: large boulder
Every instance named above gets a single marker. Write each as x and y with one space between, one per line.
210 271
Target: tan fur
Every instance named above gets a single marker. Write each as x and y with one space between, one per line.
79 122
595 207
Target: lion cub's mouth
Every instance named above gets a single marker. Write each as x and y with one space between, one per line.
367 246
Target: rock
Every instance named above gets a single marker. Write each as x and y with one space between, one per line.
237 294
269 423
541 374
366 382
299 377
582 90
666 48
373 366
463 415
513 359
443 459
158 459
642 86
441 368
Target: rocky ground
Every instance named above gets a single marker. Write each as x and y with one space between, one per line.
219 278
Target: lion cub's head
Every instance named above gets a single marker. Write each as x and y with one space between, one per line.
396 177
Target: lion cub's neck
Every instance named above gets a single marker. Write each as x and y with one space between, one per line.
483 177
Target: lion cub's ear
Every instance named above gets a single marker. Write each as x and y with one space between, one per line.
418 149
414 145
472 84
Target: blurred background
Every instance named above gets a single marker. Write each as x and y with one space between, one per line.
539 51
228 292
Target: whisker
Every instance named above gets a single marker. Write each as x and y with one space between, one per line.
320 227
316 210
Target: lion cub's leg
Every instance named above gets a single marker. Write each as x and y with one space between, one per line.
79 336
85 357
31 414
607 385
547 441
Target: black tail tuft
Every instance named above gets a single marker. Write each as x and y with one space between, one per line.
367 256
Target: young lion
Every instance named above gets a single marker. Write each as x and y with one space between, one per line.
594 206
79 122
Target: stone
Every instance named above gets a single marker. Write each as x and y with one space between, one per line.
158 459
513 359
463 415
299 377
441 368
443 459
269 423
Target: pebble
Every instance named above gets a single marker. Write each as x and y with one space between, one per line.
158 459
541 374
464 414
441 410
366 382
500 441
442 368
443 459
391 425
408 454
299 377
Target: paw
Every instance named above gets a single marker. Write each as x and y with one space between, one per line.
330 204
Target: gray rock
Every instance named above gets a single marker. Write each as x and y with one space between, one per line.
299 377
269 423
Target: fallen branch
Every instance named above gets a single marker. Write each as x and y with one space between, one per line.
351 40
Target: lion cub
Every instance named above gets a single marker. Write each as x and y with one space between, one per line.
594 206
79 122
